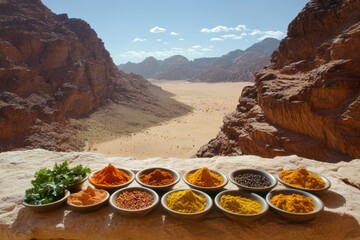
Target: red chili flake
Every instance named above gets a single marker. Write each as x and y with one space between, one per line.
134 200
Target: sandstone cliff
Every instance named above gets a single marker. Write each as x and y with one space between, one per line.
307 102
53 68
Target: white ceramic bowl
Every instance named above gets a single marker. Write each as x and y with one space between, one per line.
206 189
327 184
49 206
269 176
242 217
114 187
187 216
89 208
133 213
158 188
296 217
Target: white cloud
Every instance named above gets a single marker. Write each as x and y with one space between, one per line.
166 43
157 30
196 46
220 28
139 40
159 40
181 39
216 39
206 49
174 33
266 34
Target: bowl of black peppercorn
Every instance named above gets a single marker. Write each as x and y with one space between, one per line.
253 180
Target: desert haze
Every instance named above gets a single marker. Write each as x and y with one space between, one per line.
182 136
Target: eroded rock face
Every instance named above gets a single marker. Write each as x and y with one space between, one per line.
307 101
339 220
53 68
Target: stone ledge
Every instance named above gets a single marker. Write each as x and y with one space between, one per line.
340 220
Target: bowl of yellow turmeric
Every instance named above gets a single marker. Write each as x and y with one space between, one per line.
186 204
240 205
294 204
205 180
305 180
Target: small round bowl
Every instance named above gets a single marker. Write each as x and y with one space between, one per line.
76 187
206 189
47 207
327 184
133 213
187 216
158 188
296 217
271 178
89 208
114 187
242 217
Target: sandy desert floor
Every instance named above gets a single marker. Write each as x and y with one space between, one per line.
183 136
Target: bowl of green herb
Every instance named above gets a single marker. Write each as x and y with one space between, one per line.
51 187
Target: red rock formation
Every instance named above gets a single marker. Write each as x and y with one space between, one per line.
53 68
307 102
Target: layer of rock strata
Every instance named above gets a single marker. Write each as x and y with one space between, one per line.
307 102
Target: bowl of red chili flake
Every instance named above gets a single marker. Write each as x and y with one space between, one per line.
134 201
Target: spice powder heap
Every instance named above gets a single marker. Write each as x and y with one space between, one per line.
110 176
293 203
87 197
302 178
240 205
158 177
204 177
186 201
134 200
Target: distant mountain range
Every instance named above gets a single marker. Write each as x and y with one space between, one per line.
237 65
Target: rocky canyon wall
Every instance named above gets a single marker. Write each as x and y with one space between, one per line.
53 68
307 101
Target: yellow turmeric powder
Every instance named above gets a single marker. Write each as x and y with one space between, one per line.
110 176
302 178
87 196
293 203
204 177
186 201
241 205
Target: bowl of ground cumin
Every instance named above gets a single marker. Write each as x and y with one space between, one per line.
305 180
111 178
240 205
158 178
205 179
295 205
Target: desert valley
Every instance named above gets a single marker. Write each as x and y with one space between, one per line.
286 102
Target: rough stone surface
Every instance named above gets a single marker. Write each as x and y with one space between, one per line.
339 220
53 68
307 101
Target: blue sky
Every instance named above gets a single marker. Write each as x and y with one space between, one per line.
135 29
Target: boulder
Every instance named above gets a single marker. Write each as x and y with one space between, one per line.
339 220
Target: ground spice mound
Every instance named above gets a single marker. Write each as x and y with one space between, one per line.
302 178
240 205
158 177
204 177
293 203
186 201
87 196
110 176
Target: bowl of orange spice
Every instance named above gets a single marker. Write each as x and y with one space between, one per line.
88 199
158 178
111 178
